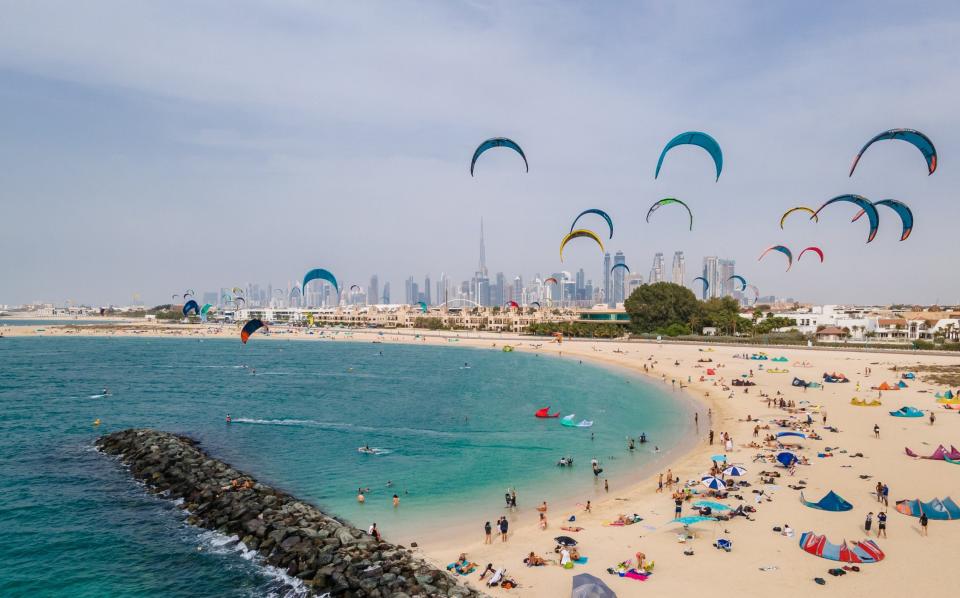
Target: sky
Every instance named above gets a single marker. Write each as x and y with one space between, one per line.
153 147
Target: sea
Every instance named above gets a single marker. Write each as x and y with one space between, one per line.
453 428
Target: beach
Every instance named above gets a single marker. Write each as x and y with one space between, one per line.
761 559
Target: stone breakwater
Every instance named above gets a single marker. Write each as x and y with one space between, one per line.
329 555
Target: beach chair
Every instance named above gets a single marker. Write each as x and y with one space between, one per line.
723 544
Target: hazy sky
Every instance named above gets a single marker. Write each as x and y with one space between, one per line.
156 146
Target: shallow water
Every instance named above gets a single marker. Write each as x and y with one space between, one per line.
74 523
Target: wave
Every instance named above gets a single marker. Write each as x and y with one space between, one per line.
215 542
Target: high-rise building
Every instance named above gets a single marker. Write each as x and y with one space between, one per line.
426 290
500 292
618 287
726 269
711 273
607 286
679 268
481 281
581 285
373 291
386 292
518 290
656 271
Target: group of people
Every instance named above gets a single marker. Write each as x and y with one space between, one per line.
501 527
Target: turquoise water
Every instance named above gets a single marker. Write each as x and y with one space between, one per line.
73 523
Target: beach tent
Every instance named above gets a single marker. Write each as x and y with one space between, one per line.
901 384
907 412
908 376
831 502
885 386
588 586
797 434
944 395
944 509
855 552
786 458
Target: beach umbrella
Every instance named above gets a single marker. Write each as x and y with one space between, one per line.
716 506
787 458
735 470
565 541
588 586
691 519
719 458
713 483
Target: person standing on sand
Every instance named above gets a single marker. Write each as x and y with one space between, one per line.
606 485
881 524
487 537
670 478
503 529
923 523
868 523
879 491
885 492
660 483
876 430
678 507
711 437
933 418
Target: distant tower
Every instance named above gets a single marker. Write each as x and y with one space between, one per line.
618 287
481 280
607 287
656 271
711 272
679 268
373 291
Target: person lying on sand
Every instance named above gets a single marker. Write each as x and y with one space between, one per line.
532 560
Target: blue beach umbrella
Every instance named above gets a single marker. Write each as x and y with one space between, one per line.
787 458
735 470
716 506
713 483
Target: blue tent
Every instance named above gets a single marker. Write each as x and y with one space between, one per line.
786 458
831 502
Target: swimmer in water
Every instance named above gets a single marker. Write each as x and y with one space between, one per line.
656 449
229 419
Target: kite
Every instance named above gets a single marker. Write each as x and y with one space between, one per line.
918 139
190 306
238 299
203 311
249 328
237 291
694 138
512 305
174 296
785 251
601 213
354 286
706 283
423 306
756 293
813 249
537 303
624 266
320 274
902 210
497 142
743 281
188 292
667 201
580 232
865 204
813 215
551 279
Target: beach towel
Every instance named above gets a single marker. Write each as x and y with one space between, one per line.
633 574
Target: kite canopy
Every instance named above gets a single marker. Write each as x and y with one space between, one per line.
551 279
237 291
943 510
865 204
354 286
188 293
706 283
831 502
203 311
512 305
191 306
624 266
784 250
902 210
816 250
743 281
694 138
537 303
855 552
320 274
497 142
813 215
423 306
907 412
581 232
249 328
916 138
666 202
598 212
756 293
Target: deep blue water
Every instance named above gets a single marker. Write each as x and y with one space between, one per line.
73 523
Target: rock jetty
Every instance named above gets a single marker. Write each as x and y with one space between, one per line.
329 555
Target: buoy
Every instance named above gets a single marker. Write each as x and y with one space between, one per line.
96 422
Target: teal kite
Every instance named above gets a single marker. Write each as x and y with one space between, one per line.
598 212
706 284
624 266
784 250
865 204
700 140
915 138
902 210
320 274
743 281
497 142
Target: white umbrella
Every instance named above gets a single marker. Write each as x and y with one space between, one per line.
735 470
713 483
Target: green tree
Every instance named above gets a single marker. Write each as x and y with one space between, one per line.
659 305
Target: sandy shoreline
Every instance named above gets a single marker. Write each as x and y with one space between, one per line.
761 560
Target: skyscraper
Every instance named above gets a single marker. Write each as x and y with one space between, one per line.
518 290
679 268
726 269
618 286
481 281
711 272
386 292
607 287
581 285
426 290
500 296
373 291
656 271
